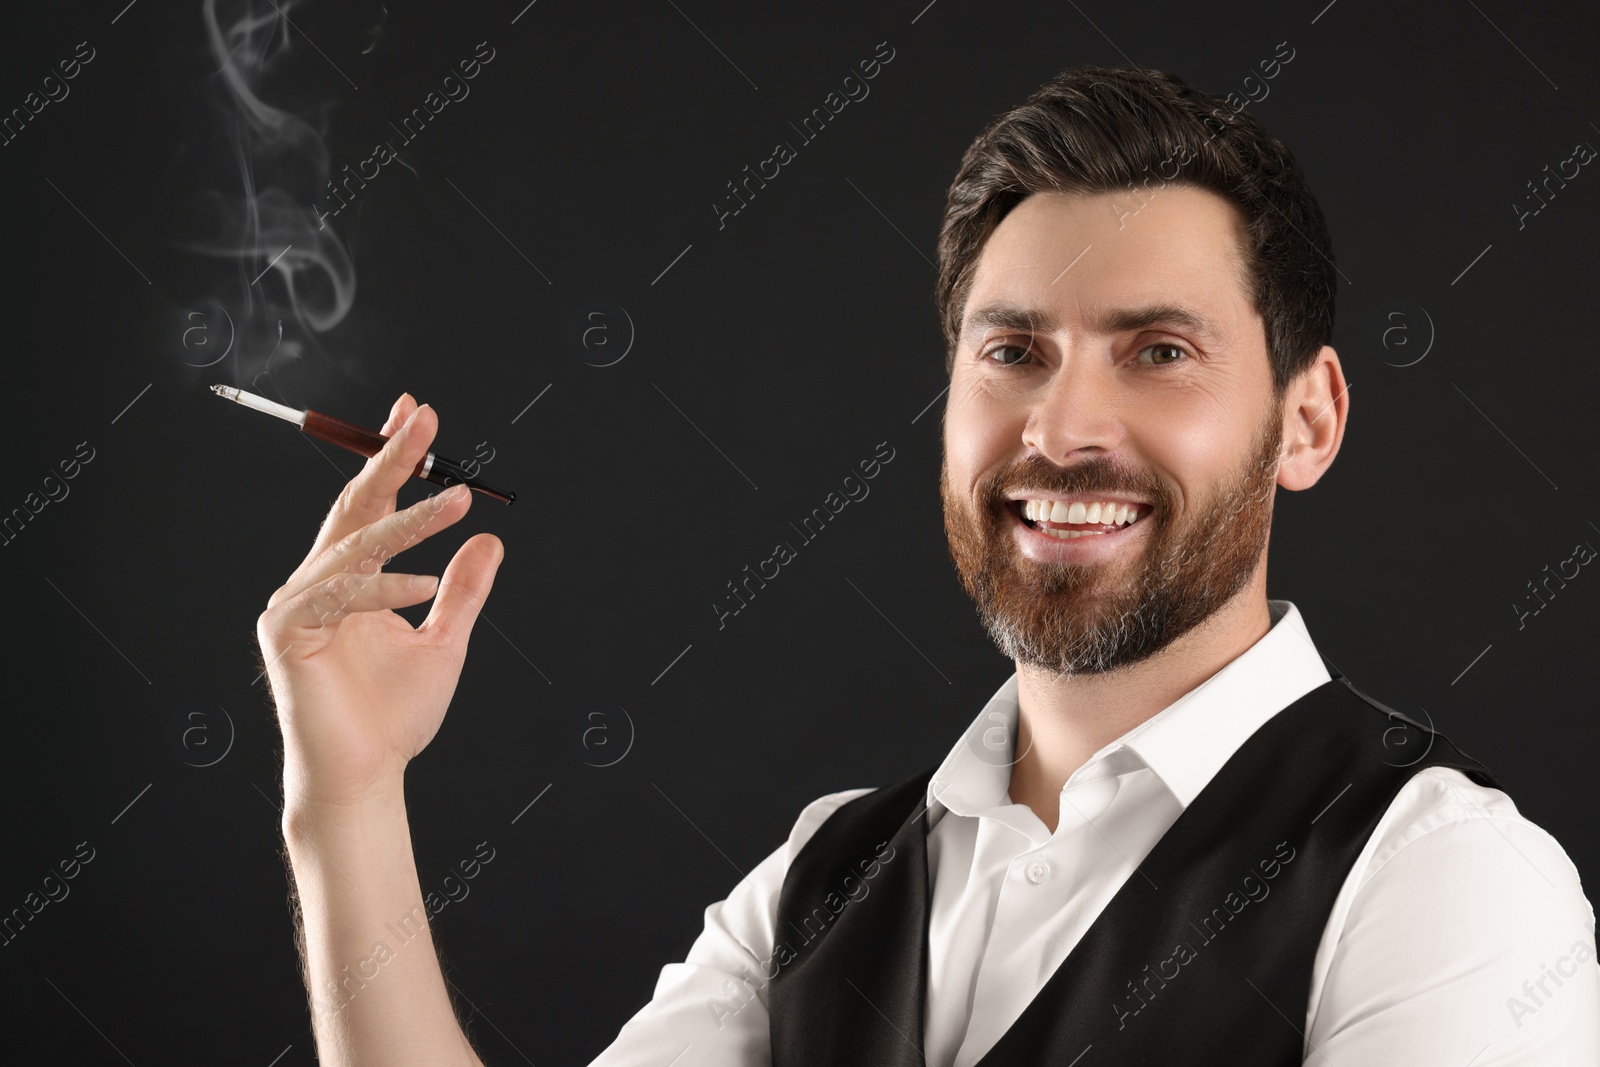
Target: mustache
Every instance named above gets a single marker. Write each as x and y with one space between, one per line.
1089 477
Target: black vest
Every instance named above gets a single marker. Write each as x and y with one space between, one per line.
1205 959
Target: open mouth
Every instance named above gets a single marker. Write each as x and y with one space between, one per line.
1067 522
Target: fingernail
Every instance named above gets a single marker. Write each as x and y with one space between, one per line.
410 419
423 581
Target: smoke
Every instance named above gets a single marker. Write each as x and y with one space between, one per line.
294 280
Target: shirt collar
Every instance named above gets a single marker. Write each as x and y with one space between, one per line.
1185 743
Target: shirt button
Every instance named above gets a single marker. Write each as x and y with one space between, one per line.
1038 871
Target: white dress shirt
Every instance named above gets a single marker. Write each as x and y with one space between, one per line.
1461 935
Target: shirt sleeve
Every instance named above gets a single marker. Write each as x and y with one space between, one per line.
1468 940
710 1010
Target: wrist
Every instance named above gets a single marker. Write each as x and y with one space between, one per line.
339 838
307 801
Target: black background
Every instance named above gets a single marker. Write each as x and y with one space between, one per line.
773 355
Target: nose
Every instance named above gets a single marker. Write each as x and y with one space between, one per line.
1074 409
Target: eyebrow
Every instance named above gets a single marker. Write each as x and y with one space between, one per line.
1115 320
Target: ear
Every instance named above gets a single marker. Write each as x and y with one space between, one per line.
1315 406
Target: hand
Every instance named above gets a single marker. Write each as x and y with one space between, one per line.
359 691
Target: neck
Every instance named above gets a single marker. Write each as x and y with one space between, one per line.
1064 719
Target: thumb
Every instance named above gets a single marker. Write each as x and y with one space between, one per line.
463 588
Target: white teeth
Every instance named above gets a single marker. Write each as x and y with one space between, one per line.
1068 535
1107 512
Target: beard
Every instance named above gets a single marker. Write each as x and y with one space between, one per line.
1072 618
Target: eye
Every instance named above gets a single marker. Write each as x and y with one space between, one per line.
989 352
1177 350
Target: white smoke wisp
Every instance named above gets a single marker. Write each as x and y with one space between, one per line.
288 265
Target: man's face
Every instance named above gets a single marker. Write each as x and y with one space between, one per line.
1097 403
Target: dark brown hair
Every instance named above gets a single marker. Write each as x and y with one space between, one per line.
1109 129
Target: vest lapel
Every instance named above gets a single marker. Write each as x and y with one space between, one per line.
869 936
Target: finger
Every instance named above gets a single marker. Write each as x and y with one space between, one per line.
463 589
329 601
398 414
370 495
366 550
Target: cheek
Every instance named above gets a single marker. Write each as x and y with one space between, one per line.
980 434
1195 445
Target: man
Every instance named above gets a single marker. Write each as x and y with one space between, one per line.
1172 835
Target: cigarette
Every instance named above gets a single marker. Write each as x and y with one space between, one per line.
364 442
